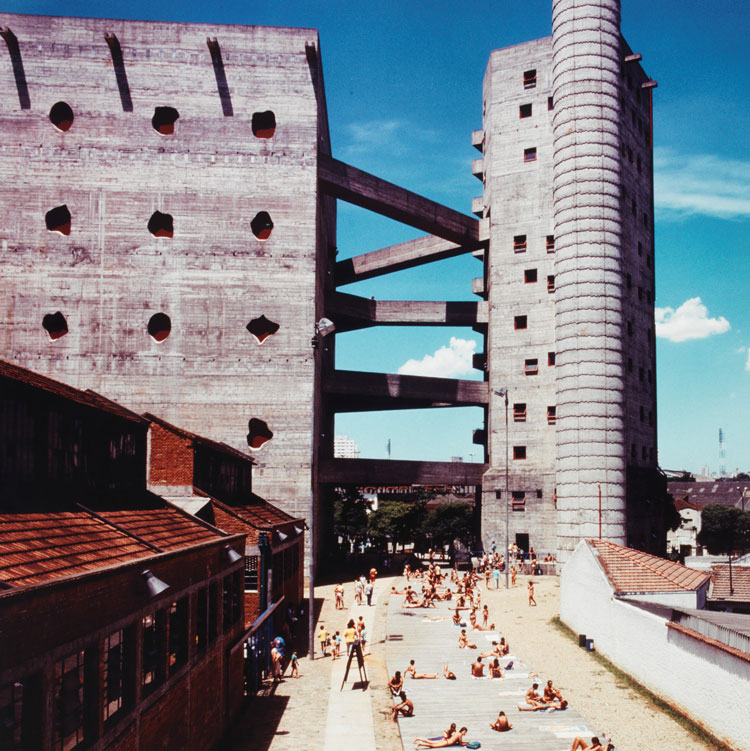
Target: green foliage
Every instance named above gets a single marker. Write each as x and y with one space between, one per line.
349 513
397 521
448 522
724 529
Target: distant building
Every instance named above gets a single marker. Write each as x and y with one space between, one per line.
345 448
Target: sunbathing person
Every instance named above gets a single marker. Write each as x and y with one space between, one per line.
551 693
463 641
477 668
412 671
579 743
396 683
449 674
533 698
405 707
495 670
457 739
501 724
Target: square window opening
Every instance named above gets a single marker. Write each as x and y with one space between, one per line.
524 111
529 79
520 322
519 453
529 155
529 276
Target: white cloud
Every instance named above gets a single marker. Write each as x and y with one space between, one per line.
689 321
705 184
447 362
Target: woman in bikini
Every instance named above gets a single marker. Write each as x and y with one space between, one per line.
457 739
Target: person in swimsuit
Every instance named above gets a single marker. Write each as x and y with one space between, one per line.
396 683
501 724
412 671
405 707
449 674
457 739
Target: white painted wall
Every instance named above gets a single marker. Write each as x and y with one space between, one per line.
705 683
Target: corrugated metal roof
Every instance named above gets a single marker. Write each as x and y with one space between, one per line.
87 398
720 589
632 571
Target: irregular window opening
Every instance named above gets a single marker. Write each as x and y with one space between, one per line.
529 79
518 500
258 433
55 325
261 225
550 358
550 243
159 326
529 155
531 366
520 322
529 276
58 220
264 124
550 103
161 225
519 412
551 283
164 119
261 328
519 243
61 116
551 415
524 111
519 452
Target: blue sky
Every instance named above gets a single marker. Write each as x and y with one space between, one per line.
403 83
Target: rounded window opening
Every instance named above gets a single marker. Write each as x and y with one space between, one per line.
161 225
61 116
164 119
159 326
264 124
262 225
58 220
258 433
261 328
55 325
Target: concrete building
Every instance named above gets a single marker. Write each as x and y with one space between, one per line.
169 233
345 448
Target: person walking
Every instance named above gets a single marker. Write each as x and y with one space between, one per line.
496 577
368 592
532 601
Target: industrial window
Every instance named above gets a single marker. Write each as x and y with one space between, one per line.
261 225
231 599
55 325
531 366
152 669
529 276
628 281
11 716
251 573
58 220
264 124
519 243
519 452
518 500
261 328
524 111
551 283
529 155
159 326
520 322
161 225
519 412
69 728
550 358
61 116
164 119
550 103
178 635
529 79
551 415
258 433
550 243
113 674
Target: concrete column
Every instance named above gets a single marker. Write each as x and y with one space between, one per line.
591 451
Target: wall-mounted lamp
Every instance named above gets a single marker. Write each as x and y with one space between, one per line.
231 554
323 328
154 584
298 530
281 535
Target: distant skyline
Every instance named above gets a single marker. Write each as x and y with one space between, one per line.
404 91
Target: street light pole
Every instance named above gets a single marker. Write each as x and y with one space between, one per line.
504 392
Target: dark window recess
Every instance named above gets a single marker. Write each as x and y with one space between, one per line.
519 244
258 433
538 492
251 573
151 668
519 412
551 415
178 634
58 220
519 452
159 326
529 79
261 225
524 111
641 414
630 364
520 322
161 225
630 328
550 243
264 124
531 367
529 155
628 281
201 621
261 328
633 453
529 276
518 500
551 283
164 119
55 325
550 103
61 116
550 358
640 248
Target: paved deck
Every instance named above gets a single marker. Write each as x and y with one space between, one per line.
468 701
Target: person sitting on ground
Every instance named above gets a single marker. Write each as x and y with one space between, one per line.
579 743
463 641
396 684
449 674
404 707
495 670
412 671
533 698
551 693
504 647
457 739
501 724
477 668
449 732
395 591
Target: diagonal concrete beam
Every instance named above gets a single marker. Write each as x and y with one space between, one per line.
404 255
355 391
350 184
351 312
384 472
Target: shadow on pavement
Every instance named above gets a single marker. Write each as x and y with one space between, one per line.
257 724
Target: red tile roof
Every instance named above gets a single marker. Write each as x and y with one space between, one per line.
720 589
631 571
259 515
87 398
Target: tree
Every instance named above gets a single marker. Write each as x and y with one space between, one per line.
396 521
349 513
448 522
724 529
